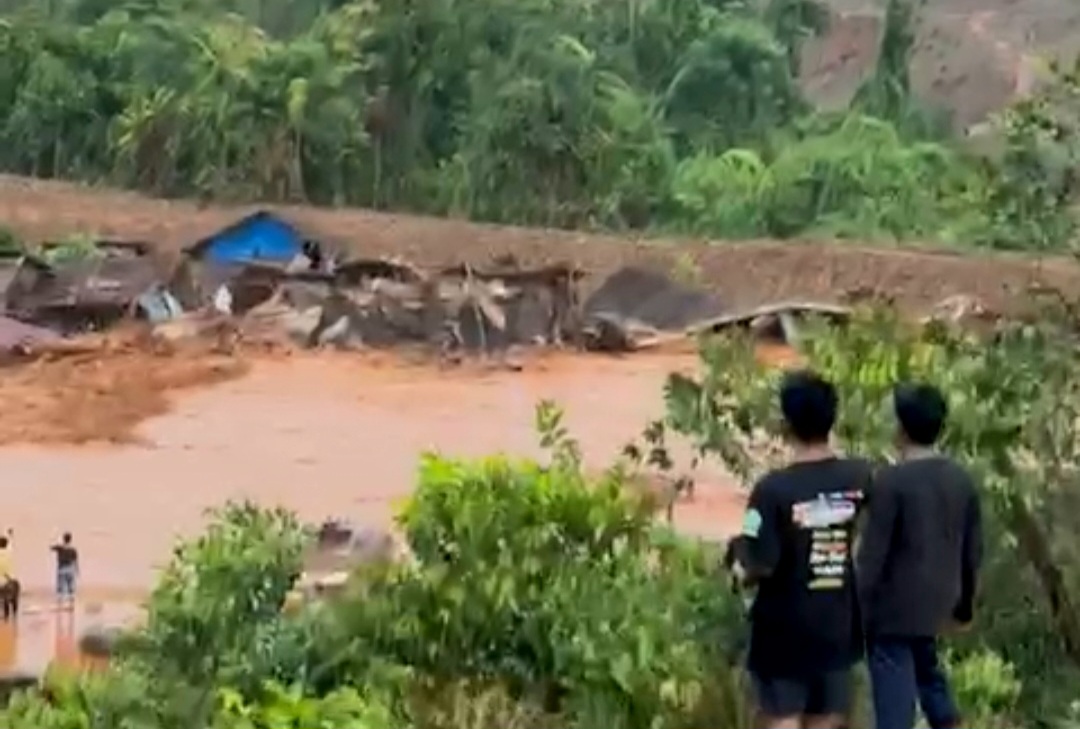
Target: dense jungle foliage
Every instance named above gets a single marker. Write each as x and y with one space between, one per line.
676 115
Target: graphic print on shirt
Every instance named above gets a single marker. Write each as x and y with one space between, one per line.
829 518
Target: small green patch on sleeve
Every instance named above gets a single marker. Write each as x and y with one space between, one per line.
751 525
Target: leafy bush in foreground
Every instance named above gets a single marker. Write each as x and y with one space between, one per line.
282 708
562 590
124 699
224 590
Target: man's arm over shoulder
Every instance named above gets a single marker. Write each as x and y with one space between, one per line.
757 547
970 558
877 533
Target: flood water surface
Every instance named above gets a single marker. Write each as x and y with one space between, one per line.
44 634
324 436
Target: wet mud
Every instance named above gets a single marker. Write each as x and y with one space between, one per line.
325 435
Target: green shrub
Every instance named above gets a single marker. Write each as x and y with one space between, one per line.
986 687
475 705
555 585
279 707
123 699
857 178
73 248
112 700
722 195
215 614
10 245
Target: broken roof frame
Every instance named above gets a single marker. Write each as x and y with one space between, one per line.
88 289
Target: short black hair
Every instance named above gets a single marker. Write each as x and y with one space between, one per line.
808 402
921 411
3 542
67 537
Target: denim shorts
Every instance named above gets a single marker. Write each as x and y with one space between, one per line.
65 581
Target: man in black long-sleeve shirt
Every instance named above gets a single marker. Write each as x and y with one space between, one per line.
917 565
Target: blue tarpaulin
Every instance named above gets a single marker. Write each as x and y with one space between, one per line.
259 237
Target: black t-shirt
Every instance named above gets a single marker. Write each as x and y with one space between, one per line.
66 555
797 539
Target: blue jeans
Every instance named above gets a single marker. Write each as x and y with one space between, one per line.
65 582
904 671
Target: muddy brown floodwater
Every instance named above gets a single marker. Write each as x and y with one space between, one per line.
324 435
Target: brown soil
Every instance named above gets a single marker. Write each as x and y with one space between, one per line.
971 57
100 396
747 273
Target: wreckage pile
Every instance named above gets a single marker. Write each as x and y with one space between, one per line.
262 281
269 284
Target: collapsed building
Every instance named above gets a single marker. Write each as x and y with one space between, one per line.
636 307
274 283
89 294
383 303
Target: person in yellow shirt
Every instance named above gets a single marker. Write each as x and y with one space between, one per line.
9 585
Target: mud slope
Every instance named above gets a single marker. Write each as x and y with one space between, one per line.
101 396
971 57
744 273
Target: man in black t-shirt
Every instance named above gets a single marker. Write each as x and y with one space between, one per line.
917 566
795 547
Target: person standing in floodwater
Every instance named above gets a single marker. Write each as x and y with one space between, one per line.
9 585
9 603
67 570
